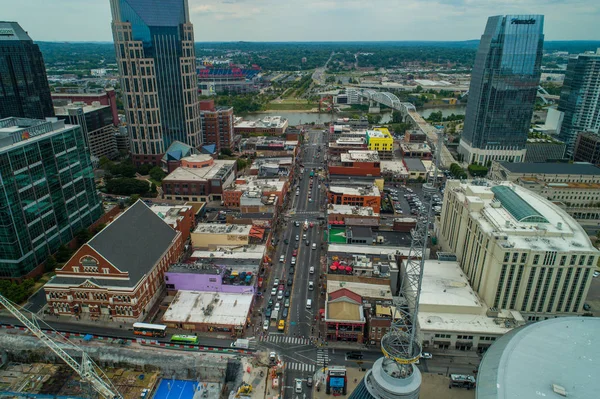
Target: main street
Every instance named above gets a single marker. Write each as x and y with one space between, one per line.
294 345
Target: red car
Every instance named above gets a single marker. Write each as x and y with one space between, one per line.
311 224
295 253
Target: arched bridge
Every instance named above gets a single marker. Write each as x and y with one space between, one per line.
409 114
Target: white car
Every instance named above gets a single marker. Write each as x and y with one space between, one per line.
426 355
596 274
274 291
311 270
266 325
277 307
279 298
298 385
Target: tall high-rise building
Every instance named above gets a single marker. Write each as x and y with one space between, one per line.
24 90
580 98
154 44
503 88
47 190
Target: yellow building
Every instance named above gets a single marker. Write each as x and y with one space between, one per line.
380 139
212 235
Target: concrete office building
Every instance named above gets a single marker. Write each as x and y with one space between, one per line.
503 88
518 250
580 98
47 190
587 148
154 45
108 97
24 90
96 122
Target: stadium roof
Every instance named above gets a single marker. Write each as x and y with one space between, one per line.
528 361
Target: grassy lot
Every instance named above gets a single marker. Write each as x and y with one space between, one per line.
290 106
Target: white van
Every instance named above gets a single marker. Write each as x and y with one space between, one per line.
311 285
309 304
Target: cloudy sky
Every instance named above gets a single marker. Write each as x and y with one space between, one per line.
316 20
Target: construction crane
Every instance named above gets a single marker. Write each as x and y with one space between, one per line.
86 368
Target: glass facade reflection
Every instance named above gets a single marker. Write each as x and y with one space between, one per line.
503 87
47 191
154 44
24 90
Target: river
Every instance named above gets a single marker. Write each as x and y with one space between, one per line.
298 118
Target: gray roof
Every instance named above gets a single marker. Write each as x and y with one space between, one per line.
414 164
525 362
134 241
579 168
12 31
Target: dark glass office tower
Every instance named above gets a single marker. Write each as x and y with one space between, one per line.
503 88
154 45
24 90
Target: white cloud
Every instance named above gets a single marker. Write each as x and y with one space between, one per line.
317 20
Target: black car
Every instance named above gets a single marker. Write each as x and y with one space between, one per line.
287 293
268 313
296 245
309 381
284 314
292 270
286 241
290 282
270 303
354 355
307 243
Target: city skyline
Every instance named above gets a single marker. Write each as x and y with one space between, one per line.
447 20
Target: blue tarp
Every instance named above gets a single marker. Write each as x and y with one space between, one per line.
88 337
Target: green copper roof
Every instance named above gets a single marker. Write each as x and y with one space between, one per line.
517 206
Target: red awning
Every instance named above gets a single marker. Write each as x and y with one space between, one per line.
333 268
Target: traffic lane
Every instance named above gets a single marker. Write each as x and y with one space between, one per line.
299 292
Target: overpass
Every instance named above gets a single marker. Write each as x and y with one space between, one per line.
409 114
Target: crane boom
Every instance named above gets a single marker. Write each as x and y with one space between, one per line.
85 370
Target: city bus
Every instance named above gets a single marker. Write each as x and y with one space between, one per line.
185 339
149 330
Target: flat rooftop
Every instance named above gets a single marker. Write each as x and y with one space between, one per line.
372 191
247 251
394 167
374 250
216 170
170 214
376 291
576 168
64 110
190 307
15 132
349 141
445 284
216 228
377 134
360 156
351 210
467 323
414 164
251 183
415 147
520 218
267 121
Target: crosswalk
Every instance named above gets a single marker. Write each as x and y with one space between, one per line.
282 339
299 366
322 357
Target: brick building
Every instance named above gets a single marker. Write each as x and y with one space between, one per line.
356 163
217 125
200 178
356 196
344 316
119 272
180 217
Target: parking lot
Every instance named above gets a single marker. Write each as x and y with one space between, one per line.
408 199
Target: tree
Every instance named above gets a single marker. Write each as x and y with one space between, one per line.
83 236
104 162
226 151
133 199
477 170
157 173
50 263
15 292
63 254
153 188
241 164
144 169
127 186
418 89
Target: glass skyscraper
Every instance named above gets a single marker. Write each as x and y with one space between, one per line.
47 191
580 98
24 90
154 45
503 89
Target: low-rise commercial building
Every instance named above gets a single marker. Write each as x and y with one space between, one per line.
263 189
587 148
356 163
344 317
212 235
209 311
272 167
416 150
199 178
355 196
518 250
270 125
380 139
344 144
416 169
119 272
415 136
352 215
394 171
453 316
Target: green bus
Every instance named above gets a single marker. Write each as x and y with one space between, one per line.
185 339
